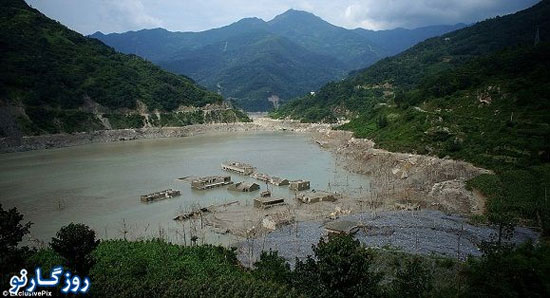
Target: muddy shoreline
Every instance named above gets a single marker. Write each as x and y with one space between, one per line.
405 181
28 143
399 182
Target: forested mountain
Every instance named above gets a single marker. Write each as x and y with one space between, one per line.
252 60
256 66
479 94
317 35
397 40
53 79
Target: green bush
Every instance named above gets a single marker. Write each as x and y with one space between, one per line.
75 243
272 267
12 231
341 268
412 279
155 268
510 272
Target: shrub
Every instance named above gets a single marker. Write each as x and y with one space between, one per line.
12 231
412 279
341 269
272 267
75 243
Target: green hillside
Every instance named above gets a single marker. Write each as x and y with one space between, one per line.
396 40
478 94
50 74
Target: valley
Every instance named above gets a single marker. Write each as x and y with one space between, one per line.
252 60
285 157
370 182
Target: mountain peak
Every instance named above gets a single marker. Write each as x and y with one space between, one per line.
97 33
251 21
294 15
296 12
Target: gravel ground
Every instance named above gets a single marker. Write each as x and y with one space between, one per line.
423 232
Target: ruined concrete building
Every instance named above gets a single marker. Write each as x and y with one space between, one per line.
278 181
161 195
261 176
238 167
271 180
268 202
209 182
244 187
299 185
316 196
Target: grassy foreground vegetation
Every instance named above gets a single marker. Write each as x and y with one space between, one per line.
340 267
479 94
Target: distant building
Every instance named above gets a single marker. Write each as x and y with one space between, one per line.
209 182
244 187
238 167
299 185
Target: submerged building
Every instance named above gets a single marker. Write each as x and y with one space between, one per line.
244 187
209 182
316 196
278 181
299 185
261 176
238 167
161 195
268 202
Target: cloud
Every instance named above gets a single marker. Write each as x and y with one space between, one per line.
130 13
375 14
88 16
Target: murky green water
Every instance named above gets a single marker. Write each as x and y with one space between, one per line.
100 184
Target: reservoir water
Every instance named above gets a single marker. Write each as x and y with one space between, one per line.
100 184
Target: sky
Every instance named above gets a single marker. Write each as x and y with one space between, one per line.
89 16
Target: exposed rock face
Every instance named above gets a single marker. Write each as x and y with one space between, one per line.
452 195
269 224
407 178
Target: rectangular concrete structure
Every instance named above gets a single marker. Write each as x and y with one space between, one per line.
316 196
299 185
238 167
261 176
244 187
209 182
161 195
268 202
278 181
